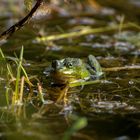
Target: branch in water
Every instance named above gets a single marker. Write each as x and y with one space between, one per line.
6 34
135 67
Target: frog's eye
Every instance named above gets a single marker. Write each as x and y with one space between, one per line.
69 65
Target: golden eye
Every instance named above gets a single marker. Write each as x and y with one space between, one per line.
70 64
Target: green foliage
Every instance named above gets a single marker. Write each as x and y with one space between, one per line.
79 124
28 4
20 69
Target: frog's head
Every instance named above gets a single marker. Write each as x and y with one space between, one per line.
72 69
66 65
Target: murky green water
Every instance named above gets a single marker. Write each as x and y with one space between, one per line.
112 107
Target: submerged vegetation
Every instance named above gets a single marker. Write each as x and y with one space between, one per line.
77 76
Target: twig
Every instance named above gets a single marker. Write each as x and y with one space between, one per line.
6 34
135 67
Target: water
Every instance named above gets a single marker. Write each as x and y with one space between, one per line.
111 107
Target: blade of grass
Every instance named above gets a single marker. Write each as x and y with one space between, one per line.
121 23
7 65
79 124
16 60
7 96
18 74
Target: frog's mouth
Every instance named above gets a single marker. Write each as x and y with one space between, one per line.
67 72
64 77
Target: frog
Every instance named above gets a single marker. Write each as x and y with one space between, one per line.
74 70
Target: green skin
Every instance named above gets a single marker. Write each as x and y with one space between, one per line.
74 70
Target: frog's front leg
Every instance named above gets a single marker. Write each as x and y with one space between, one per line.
94 67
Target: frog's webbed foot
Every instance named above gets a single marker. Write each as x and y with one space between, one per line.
94 66
90 69
91 62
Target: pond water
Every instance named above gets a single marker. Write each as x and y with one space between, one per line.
110 109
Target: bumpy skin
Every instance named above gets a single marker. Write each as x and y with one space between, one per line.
75 70
94 67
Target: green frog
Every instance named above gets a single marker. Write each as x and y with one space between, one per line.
74 70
